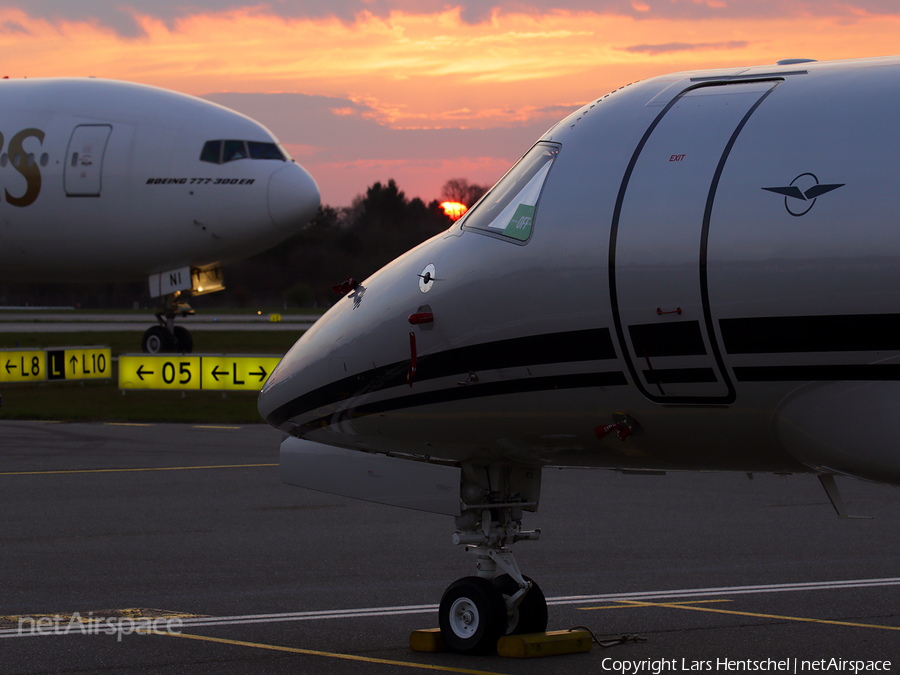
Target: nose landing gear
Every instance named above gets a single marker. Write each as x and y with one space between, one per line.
167 337
476 611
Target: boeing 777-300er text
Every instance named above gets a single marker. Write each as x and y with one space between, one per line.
696 272
113 181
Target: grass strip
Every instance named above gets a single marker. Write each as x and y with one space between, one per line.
129 341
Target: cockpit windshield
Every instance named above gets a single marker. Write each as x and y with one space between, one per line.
508 209
220 152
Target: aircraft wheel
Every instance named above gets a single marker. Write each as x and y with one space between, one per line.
157 340
184 343
531 614
472 615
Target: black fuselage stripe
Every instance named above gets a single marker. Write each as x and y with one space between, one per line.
821 373
836 373
464 392
840 333
871 332
534 350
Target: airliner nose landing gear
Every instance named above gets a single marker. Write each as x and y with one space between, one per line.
167 337
477 610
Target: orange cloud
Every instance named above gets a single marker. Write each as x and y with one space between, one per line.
514 72
426 70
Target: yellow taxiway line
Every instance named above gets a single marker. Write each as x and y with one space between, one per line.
332 655
650 604
803 619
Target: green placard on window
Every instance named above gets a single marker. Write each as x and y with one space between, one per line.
519 226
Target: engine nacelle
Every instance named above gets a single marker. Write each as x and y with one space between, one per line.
844 427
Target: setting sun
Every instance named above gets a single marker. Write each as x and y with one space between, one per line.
454 210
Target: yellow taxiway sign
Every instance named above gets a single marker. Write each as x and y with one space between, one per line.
159 371
242 373
79 363
23 365
217 372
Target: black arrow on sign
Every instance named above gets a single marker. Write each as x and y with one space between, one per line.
261 373
216 372
141 372
74 361
8 366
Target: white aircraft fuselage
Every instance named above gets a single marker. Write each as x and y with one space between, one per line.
103 181
699 271
715 254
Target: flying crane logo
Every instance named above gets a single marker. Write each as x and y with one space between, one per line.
803 192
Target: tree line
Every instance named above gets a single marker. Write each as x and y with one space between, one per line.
353 241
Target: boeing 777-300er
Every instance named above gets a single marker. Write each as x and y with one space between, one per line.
696 272
113 181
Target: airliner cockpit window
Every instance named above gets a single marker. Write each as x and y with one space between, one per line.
213 151
264 151
234 150
508 209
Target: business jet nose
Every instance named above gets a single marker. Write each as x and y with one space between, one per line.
293 196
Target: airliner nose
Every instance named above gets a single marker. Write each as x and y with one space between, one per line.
293 196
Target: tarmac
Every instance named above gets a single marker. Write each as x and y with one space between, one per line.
189 525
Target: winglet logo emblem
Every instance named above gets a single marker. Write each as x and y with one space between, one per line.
803 192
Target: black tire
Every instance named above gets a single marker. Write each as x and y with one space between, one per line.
157 340
184 343
531 614
472 616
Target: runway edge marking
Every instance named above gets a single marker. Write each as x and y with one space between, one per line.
566 600
638 597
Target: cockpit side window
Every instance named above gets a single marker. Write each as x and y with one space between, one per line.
212 152
264 151
508 210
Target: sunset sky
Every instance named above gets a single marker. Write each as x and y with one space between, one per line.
420 90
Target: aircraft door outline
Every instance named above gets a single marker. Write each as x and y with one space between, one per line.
84 160
658 243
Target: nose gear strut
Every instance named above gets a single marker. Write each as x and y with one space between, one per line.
499 600
167 337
